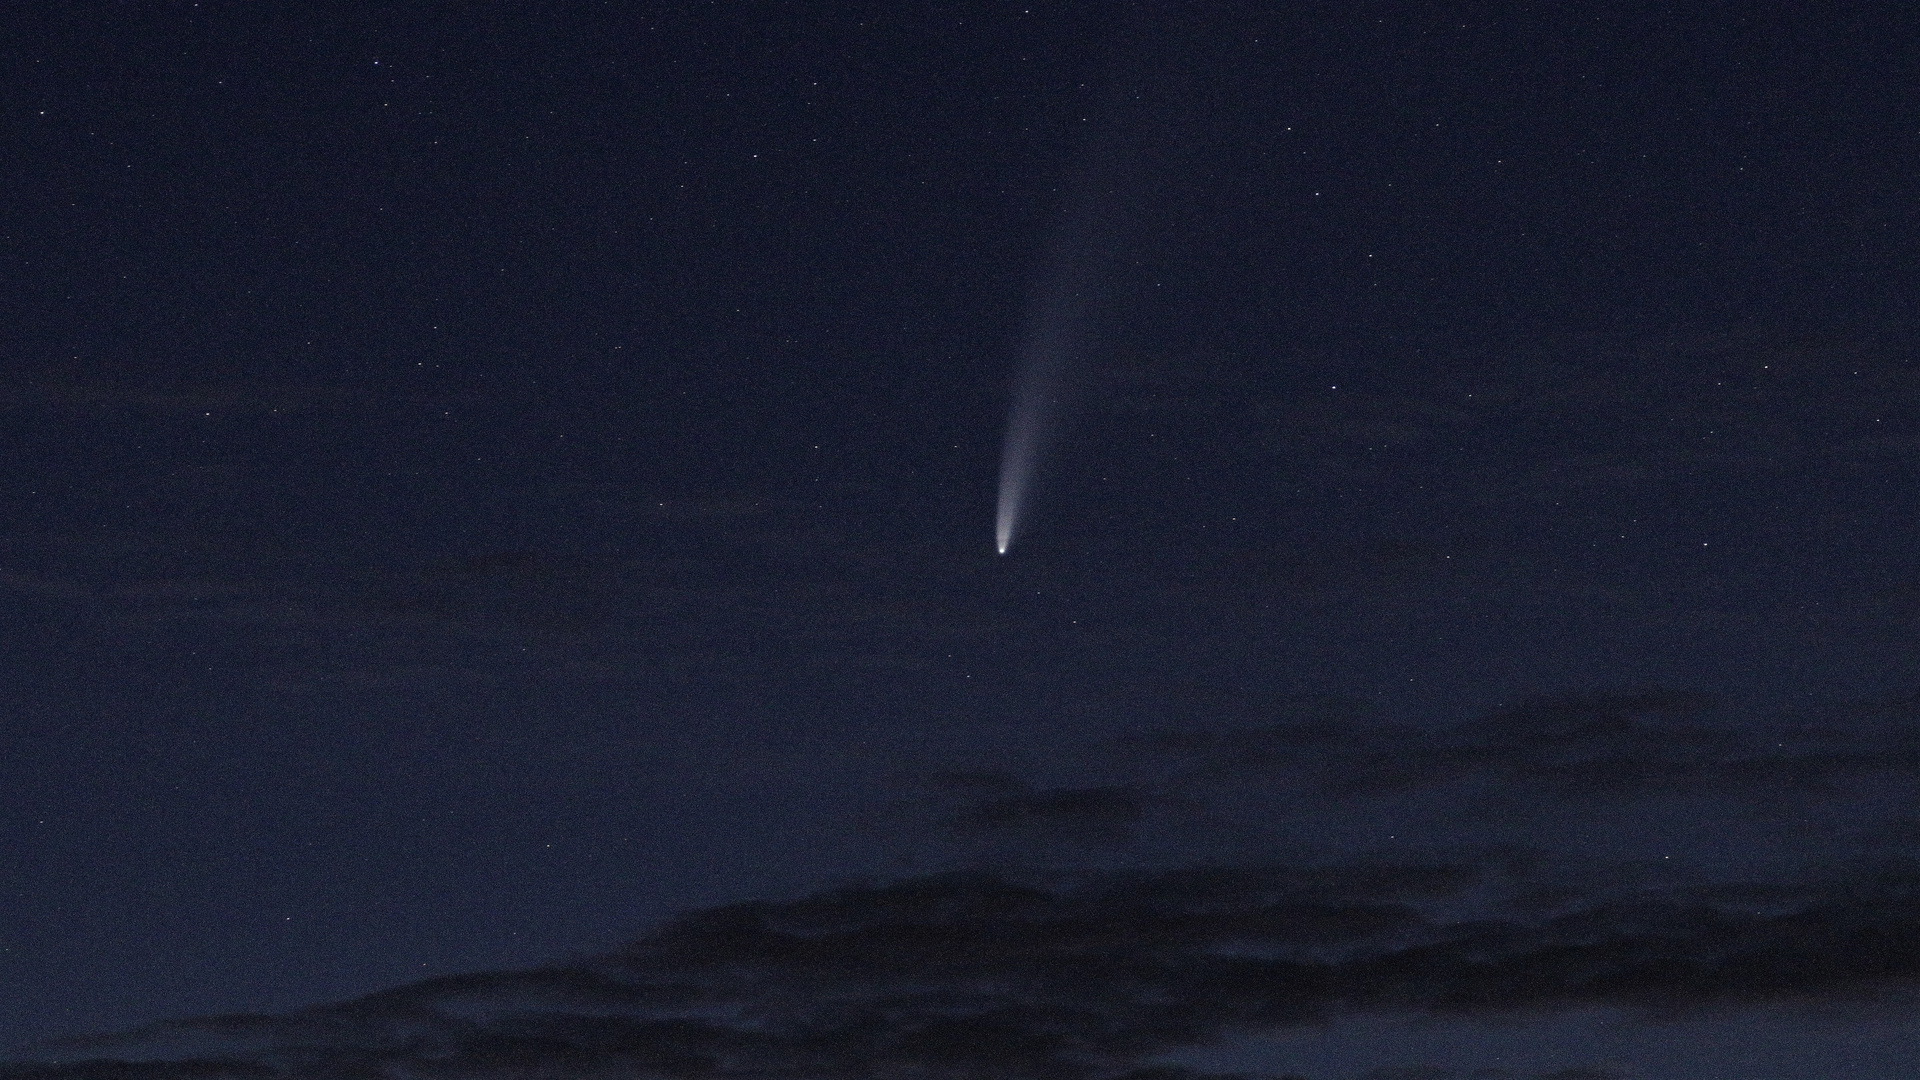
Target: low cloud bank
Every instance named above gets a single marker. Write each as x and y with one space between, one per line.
975 975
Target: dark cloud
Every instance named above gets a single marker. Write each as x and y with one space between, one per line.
1439 1073
1665 786
518 588
1103 813
156 376
148 1070
1095 805
1569 747
1599 421
974 975
60 391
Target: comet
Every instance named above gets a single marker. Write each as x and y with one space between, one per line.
1027 426
1066 300
1072 293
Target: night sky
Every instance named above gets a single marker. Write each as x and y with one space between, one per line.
497 541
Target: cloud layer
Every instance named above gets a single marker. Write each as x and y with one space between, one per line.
977 975
1048 962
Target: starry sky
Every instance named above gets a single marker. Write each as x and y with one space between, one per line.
497 566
